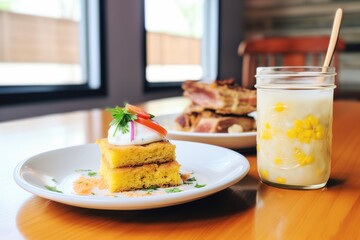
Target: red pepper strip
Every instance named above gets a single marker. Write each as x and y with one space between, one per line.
153 125
138 111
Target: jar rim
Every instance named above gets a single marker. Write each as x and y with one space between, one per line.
295 77
284 71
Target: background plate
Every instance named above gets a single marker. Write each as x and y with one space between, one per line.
228 140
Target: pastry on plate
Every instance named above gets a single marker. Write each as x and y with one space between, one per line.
136 153
218 107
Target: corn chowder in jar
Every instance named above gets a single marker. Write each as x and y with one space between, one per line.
294 125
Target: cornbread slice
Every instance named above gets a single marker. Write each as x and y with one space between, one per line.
139 177
135 155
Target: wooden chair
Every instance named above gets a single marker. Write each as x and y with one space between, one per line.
284 51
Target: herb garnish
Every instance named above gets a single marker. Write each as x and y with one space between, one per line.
52 188
121 117
83 170
199 185
190 180
150 189
90 173
173 190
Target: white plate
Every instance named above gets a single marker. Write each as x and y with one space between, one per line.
228 140
215 167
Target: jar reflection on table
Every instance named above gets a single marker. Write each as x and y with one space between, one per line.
294 125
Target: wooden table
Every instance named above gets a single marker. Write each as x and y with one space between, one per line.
247 210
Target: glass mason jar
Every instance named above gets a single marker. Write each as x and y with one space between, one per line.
294 125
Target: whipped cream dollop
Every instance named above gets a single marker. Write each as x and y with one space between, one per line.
142 135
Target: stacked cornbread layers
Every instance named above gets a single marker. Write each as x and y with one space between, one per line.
131 167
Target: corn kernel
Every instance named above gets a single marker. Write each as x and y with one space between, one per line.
280 180
278 161
319 135
291 133
309 159
301 161
319 171
302 158
306 130
308 133
319 132
279 107
306 124
267 125
303 138
266 135
264 174
313 120
298 124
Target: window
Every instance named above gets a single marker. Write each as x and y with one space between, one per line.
181 41
49 49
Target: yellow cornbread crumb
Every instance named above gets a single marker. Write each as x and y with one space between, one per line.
145 176
134 155
132 167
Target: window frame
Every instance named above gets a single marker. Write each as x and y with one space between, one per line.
95 76
211 41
